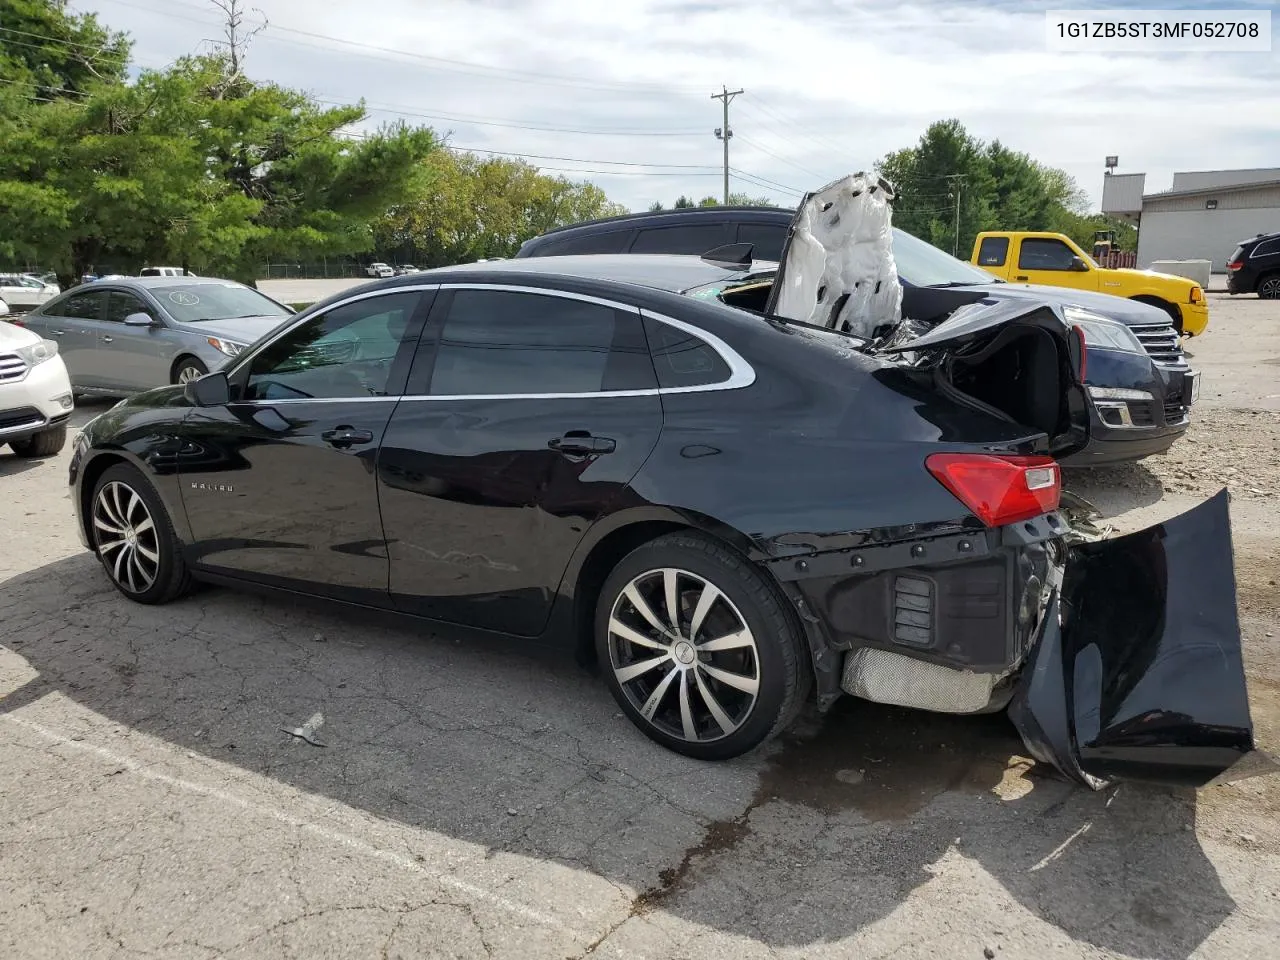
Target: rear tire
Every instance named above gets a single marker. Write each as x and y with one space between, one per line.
188 368
134 538
46 443
1269 287
728 676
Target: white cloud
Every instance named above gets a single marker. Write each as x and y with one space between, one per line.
830 84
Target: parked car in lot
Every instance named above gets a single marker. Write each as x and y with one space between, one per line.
733 513
130 334
35 393
380 269
1254 267
1053 259
163 272
21 292
406 268
1140 384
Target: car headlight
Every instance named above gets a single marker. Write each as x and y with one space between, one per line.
229 347
39 352
1103 333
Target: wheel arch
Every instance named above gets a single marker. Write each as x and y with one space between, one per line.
180 359
608 541
1163 303
102 461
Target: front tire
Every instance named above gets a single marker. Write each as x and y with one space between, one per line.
134 539
699 648
46 443
187 369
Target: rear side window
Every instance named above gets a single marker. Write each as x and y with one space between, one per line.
81 306
607 241
1266 248
993 251
766 239
508 343
689 239
682 359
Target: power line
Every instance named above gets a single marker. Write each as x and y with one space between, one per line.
456 118
752 143
765 181
823 141
445 64
611 163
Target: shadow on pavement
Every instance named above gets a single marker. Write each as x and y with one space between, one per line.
485 741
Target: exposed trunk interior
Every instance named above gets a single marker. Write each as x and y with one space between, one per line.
1017 374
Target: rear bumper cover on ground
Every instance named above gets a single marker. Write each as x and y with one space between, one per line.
1139 673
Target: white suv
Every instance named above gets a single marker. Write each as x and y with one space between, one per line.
35 393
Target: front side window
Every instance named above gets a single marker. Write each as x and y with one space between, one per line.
993 251
200 302
1042 253
504 343
120 304
349 351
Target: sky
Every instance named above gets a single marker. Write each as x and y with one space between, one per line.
618 92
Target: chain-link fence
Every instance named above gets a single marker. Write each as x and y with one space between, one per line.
318 270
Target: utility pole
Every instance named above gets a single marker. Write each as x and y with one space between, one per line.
957 181
724 133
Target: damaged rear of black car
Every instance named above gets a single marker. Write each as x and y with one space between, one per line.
961 587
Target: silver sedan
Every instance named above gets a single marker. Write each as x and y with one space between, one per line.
131 334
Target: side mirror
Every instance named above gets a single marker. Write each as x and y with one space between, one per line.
138 320
1078 265
211 390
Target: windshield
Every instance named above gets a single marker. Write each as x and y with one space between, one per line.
198 302
924 265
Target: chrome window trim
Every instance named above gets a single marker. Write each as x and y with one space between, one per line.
741 373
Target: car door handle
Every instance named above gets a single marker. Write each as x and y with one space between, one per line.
57 333
1020 278
346 436
579 443
105 339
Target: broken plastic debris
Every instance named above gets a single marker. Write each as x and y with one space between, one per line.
308 730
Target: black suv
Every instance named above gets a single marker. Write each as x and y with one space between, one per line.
689 231
1254 267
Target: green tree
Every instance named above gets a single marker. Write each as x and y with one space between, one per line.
989 186
465 208
53 54
193 164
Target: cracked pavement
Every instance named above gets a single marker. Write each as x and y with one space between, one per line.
475 798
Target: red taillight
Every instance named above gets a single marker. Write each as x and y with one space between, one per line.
1235 264
999 489
17 321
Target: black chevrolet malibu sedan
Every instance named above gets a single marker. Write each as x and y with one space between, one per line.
733 514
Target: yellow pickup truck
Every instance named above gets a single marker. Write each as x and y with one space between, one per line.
1053 260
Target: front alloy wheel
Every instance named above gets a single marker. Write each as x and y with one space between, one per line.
132 535
128 543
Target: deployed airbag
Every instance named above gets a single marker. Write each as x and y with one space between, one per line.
837 268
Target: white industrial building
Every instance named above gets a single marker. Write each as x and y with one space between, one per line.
1201 217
